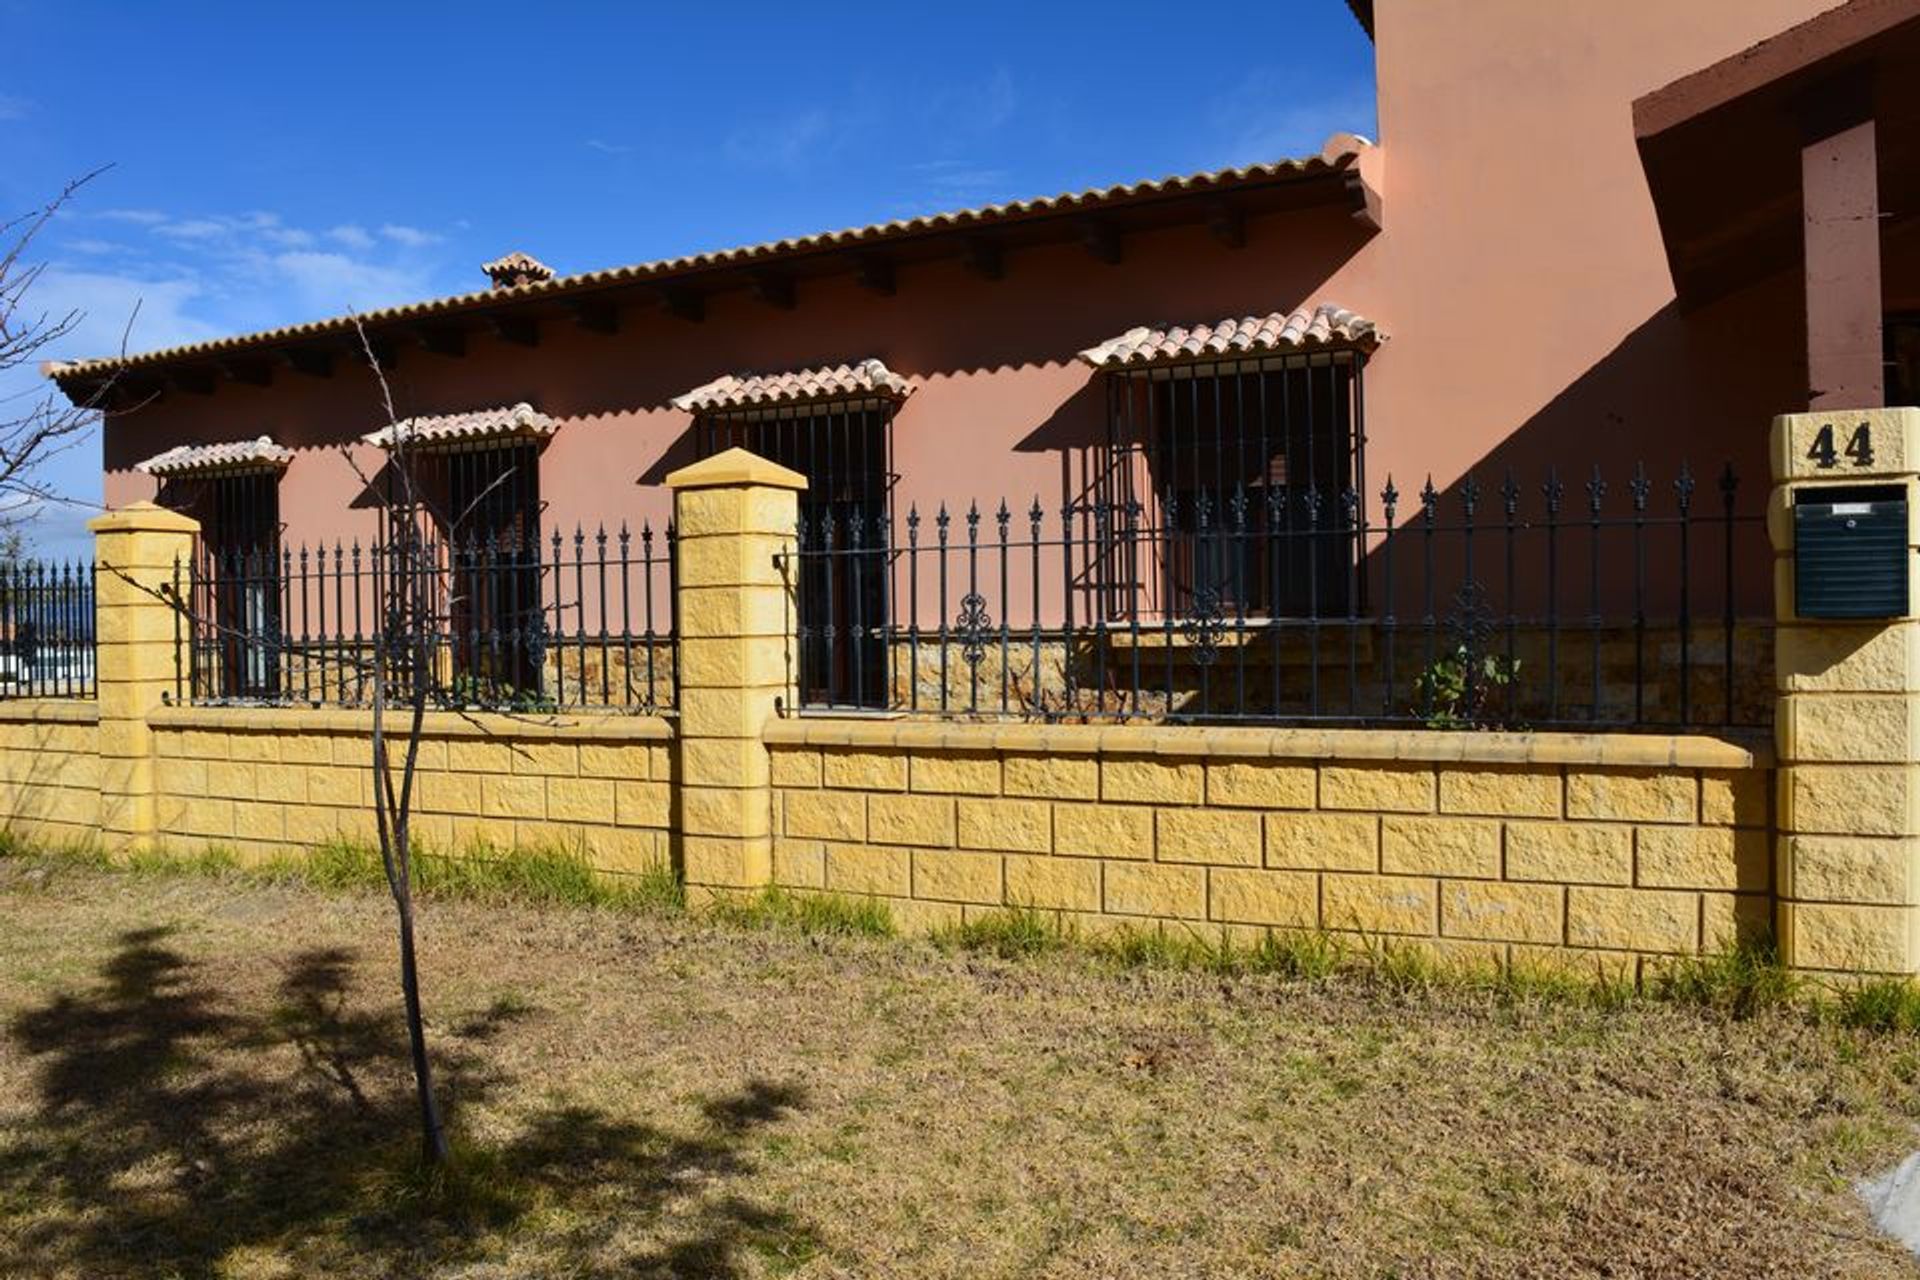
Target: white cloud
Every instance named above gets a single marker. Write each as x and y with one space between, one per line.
331 283
1270 116
182 278
789 144
411 237
607 148
149 311
14 108
193 229
350 235
140 217
959 175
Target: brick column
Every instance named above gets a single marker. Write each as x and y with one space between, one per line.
1847 721
734 513
136 643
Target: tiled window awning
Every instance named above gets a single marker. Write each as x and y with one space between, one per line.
206 459
735 393
1279 333
510 422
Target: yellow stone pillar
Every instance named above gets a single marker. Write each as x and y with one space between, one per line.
735 514
137 637
1847 718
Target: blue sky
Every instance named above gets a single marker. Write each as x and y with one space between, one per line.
279 162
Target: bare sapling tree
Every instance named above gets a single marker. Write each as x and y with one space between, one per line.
37 423
404 655
417 599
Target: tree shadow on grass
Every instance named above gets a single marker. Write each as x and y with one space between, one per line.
172 1134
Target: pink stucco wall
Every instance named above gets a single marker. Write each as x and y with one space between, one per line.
1519 274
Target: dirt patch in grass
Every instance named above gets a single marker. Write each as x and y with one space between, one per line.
206 1077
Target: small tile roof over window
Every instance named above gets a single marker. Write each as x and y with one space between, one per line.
511 270
509 421
235 455
867 380
1307 329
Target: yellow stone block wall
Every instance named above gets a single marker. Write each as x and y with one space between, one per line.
1627 847
50 771
267 782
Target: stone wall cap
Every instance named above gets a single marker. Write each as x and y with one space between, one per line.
1427 746
143 517
735 466
49 711
437 724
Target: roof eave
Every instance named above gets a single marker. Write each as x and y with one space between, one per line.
1331 178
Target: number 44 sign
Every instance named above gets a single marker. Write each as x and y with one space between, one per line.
1859 448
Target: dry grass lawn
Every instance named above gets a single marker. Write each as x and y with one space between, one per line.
206 1077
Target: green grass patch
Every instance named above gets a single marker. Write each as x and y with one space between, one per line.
1739 983
1008 933
160 861
482 873
829 914
1884 1005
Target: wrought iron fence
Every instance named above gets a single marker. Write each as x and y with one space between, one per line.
46 629
1552 604
580 622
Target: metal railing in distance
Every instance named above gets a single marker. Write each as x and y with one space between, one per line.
580 622
1552 604
46 629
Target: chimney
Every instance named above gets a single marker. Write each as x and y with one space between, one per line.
512 270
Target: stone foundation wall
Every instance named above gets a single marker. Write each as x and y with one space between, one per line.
270 781
1489 845
50 771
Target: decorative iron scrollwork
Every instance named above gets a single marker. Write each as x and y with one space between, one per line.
1205 623
972 626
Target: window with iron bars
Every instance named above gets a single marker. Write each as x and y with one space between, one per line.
1241 484
238 580
482 503
844 451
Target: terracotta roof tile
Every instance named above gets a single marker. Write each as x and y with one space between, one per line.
1307 329
508 421
1340 154
869 379
235 455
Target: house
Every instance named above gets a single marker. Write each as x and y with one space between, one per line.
1569 276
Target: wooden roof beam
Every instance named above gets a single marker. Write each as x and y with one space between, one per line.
686 304
773 288
981 255
1227 225
596 317
255 373
1102 240
441 340
522 331
874 272
308 360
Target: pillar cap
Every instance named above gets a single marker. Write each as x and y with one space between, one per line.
143 517
735 467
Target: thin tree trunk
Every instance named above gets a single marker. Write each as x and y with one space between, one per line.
433 1137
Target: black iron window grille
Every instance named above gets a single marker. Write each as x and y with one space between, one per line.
1275 443
238 563
479 502
844 451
